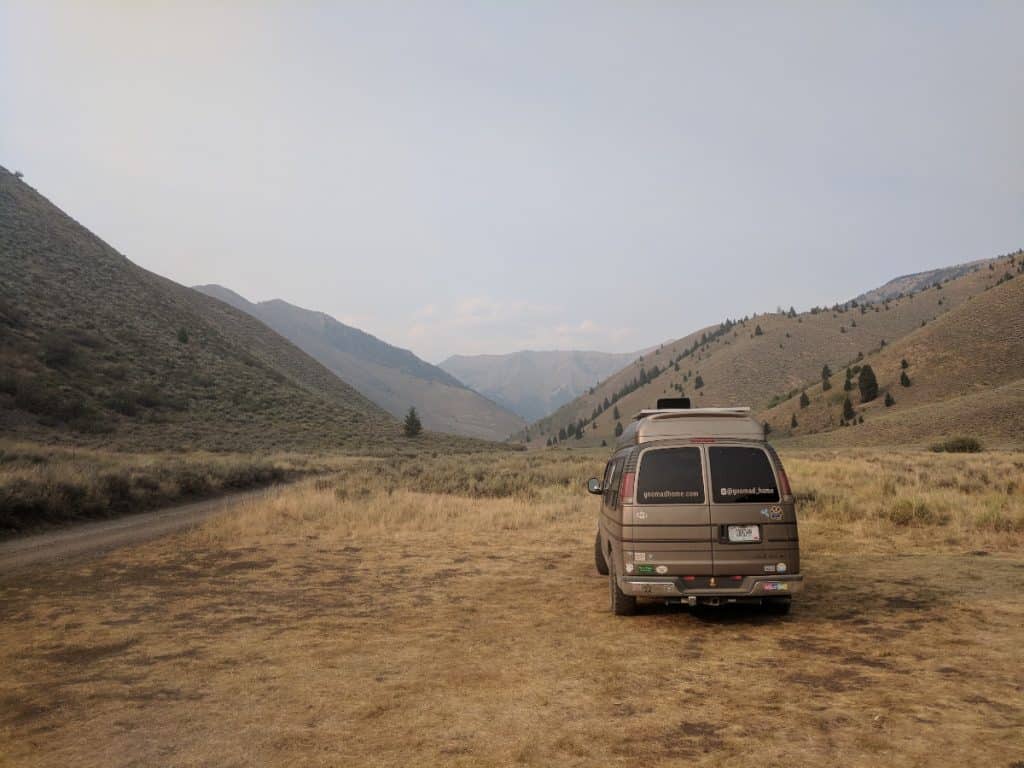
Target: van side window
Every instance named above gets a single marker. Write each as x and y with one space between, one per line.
671 476
741 475
611 497
606 483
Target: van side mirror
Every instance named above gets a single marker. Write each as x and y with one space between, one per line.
594 486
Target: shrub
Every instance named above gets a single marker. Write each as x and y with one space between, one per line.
904 379
804 399
889 400
793 424
907 512
698 383
958 445
868 384
58 351
758 331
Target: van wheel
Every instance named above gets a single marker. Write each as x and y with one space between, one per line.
620 603
599 561
778 605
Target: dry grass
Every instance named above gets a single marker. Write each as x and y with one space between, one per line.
42 486
378 620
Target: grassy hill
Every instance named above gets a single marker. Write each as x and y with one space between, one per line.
533 384
392 377
95 350
761 360
965 376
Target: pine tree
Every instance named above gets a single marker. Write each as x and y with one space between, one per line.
826 372
618 428
412 425
698 383
758 331
904 379
615 413
182 336
904 364
868 384
793 422
847 385
848 412
804 399
889 400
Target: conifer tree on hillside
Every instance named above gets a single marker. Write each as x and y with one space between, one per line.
889 400
412 425
698 383
847 385
615 413
904 364
904 379
618 428
848 412
868 384
793 422
804 399
758 331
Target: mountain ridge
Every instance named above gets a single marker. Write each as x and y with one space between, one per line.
390 376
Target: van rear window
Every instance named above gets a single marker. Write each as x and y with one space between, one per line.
741 475
671 476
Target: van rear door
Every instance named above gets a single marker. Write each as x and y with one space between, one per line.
752 533
670 518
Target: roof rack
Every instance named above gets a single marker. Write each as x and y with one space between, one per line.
676 412
687 423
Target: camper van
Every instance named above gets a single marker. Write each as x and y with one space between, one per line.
696 508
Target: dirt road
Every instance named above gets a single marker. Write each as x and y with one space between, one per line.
104 535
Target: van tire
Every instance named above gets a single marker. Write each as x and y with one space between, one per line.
778 605
599 560
620 603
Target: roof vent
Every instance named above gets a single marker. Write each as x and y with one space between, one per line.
665 403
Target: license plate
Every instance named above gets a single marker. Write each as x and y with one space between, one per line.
744 533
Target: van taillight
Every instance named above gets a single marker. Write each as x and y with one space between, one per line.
627 486
784 482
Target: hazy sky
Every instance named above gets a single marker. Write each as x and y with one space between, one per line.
486 177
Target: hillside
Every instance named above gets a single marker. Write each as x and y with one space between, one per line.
964 376
918 281
393 378
96 350
760 360
534 384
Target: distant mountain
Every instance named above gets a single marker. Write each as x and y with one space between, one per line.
767 359
533 384
392 377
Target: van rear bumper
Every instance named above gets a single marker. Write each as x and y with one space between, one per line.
751 586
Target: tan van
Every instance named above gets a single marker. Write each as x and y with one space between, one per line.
696 508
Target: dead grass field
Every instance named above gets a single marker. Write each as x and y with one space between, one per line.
446 612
